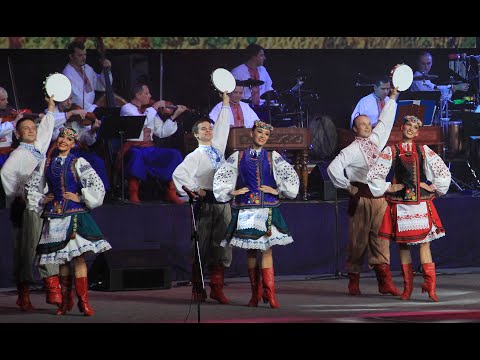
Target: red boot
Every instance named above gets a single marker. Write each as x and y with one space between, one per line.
81 288
67 295
407 272
171 194
52 289
133 187
256 286
430 282
269 288
24 297
385 281
354 284
217 273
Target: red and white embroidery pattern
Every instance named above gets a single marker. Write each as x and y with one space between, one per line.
412 217
369 149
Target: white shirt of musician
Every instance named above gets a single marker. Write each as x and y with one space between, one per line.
241 73
6 131
249 116
354 159
367 106
198 168
81 98
21 163
421 85
153 124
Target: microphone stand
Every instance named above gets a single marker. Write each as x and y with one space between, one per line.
198 284
337 273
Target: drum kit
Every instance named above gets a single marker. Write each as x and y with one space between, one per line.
283 108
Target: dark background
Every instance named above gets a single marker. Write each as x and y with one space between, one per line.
332 74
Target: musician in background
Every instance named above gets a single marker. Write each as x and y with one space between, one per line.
82 76
240 113
253 69
196 173
422 68
86 125
365 210
142 157
7 127
372 104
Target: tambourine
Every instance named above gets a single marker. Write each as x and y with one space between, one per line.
58 85
223 80
402 76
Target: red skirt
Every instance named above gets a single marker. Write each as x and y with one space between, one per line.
389 228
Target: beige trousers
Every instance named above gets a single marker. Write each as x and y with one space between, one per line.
363 231
25 240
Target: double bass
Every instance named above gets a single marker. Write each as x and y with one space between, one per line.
109 99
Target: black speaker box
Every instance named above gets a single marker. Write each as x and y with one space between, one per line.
320 184
118 270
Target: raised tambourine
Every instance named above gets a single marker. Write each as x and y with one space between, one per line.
223 80
402 76
58 85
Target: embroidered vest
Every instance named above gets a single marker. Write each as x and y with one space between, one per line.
408 170
62 178
253 173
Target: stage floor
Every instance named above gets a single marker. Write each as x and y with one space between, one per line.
303 299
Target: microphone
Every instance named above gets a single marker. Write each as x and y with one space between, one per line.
190 193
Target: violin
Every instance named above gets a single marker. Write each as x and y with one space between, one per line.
14 114
167 111
89 119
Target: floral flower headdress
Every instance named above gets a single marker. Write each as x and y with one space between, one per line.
263 125
68 132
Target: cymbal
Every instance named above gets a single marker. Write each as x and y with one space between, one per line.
250 82
269 95
425 77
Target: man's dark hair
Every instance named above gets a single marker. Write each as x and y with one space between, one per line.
252 50
136 88
75 45
25 117
381 79
199 121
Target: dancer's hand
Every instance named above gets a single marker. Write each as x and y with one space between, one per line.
241 191
427 187
352 190
395 187
268 189
71 196
47 198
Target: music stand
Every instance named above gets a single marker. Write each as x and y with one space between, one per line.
122 127
106 112
423 95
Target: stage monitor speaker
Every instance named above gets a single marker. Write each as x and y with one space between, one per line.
319 183
118 270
